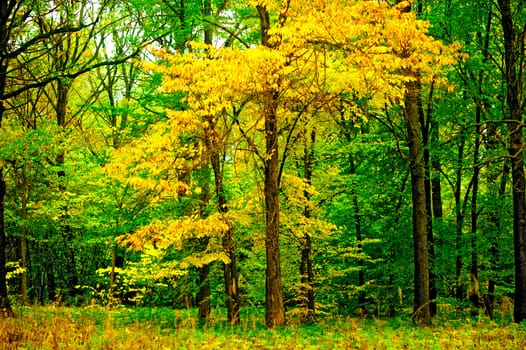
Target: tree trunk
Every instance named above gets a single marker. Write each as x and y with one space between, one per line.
274 304
474 294
5 10
358 228
425 122
513 75
5 306
413 114
72 280
519 220
230 269
306 272
477 167
436 186
436 201
23 235
203 296
459 219
495 219
421 266
233 301
117 261
392 251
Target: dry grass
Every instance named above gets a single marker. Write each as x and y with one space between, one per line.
97 328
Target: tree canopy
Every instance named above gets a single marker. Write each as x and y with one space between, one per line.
295 154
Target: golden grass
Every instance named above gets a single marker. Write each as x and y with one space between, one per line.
98 328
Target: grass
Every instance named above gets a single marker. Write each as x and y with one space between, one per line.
162 328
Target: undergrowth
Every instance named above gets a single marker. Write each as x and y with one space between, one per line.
163 328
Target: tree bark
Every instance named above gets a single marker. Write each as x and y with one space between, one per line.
421 265
117 261
357 225
306 271
5 11
514 35
72 279
436 200
274 303
5 306
203 296
459 220
474 294
425 124
24 187
477 167
230 269
495 219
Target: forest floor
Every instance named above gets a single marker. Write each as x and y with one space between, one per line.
162 328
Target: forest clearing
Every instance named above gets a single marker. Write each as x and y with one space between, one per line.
161 328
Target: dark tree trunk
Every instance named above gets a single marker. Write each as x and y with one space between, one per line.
24 194
306 271
213 149
513 75
436 186
392 251
474 293
5 306
436 195
477 167
203 296
274 304
233 300
5 11
72 280
495 219
357 226
425 123
307 278
117 261
413 114
230 269
459 219
420 245
519 219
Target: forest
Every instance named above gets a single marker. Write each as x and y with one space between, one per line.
282 160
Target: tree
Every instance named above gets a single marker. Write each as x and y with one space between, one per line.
25 38
514 32
421 274
276 93
274 304
403 83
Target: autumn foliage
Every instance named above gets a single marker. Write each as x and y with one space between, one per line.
308 157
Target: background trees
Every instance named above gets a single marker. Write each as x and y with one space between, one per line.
294 142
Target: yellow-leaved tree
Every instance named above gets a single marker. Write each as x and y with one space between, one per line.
156 168
386 56
314 57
